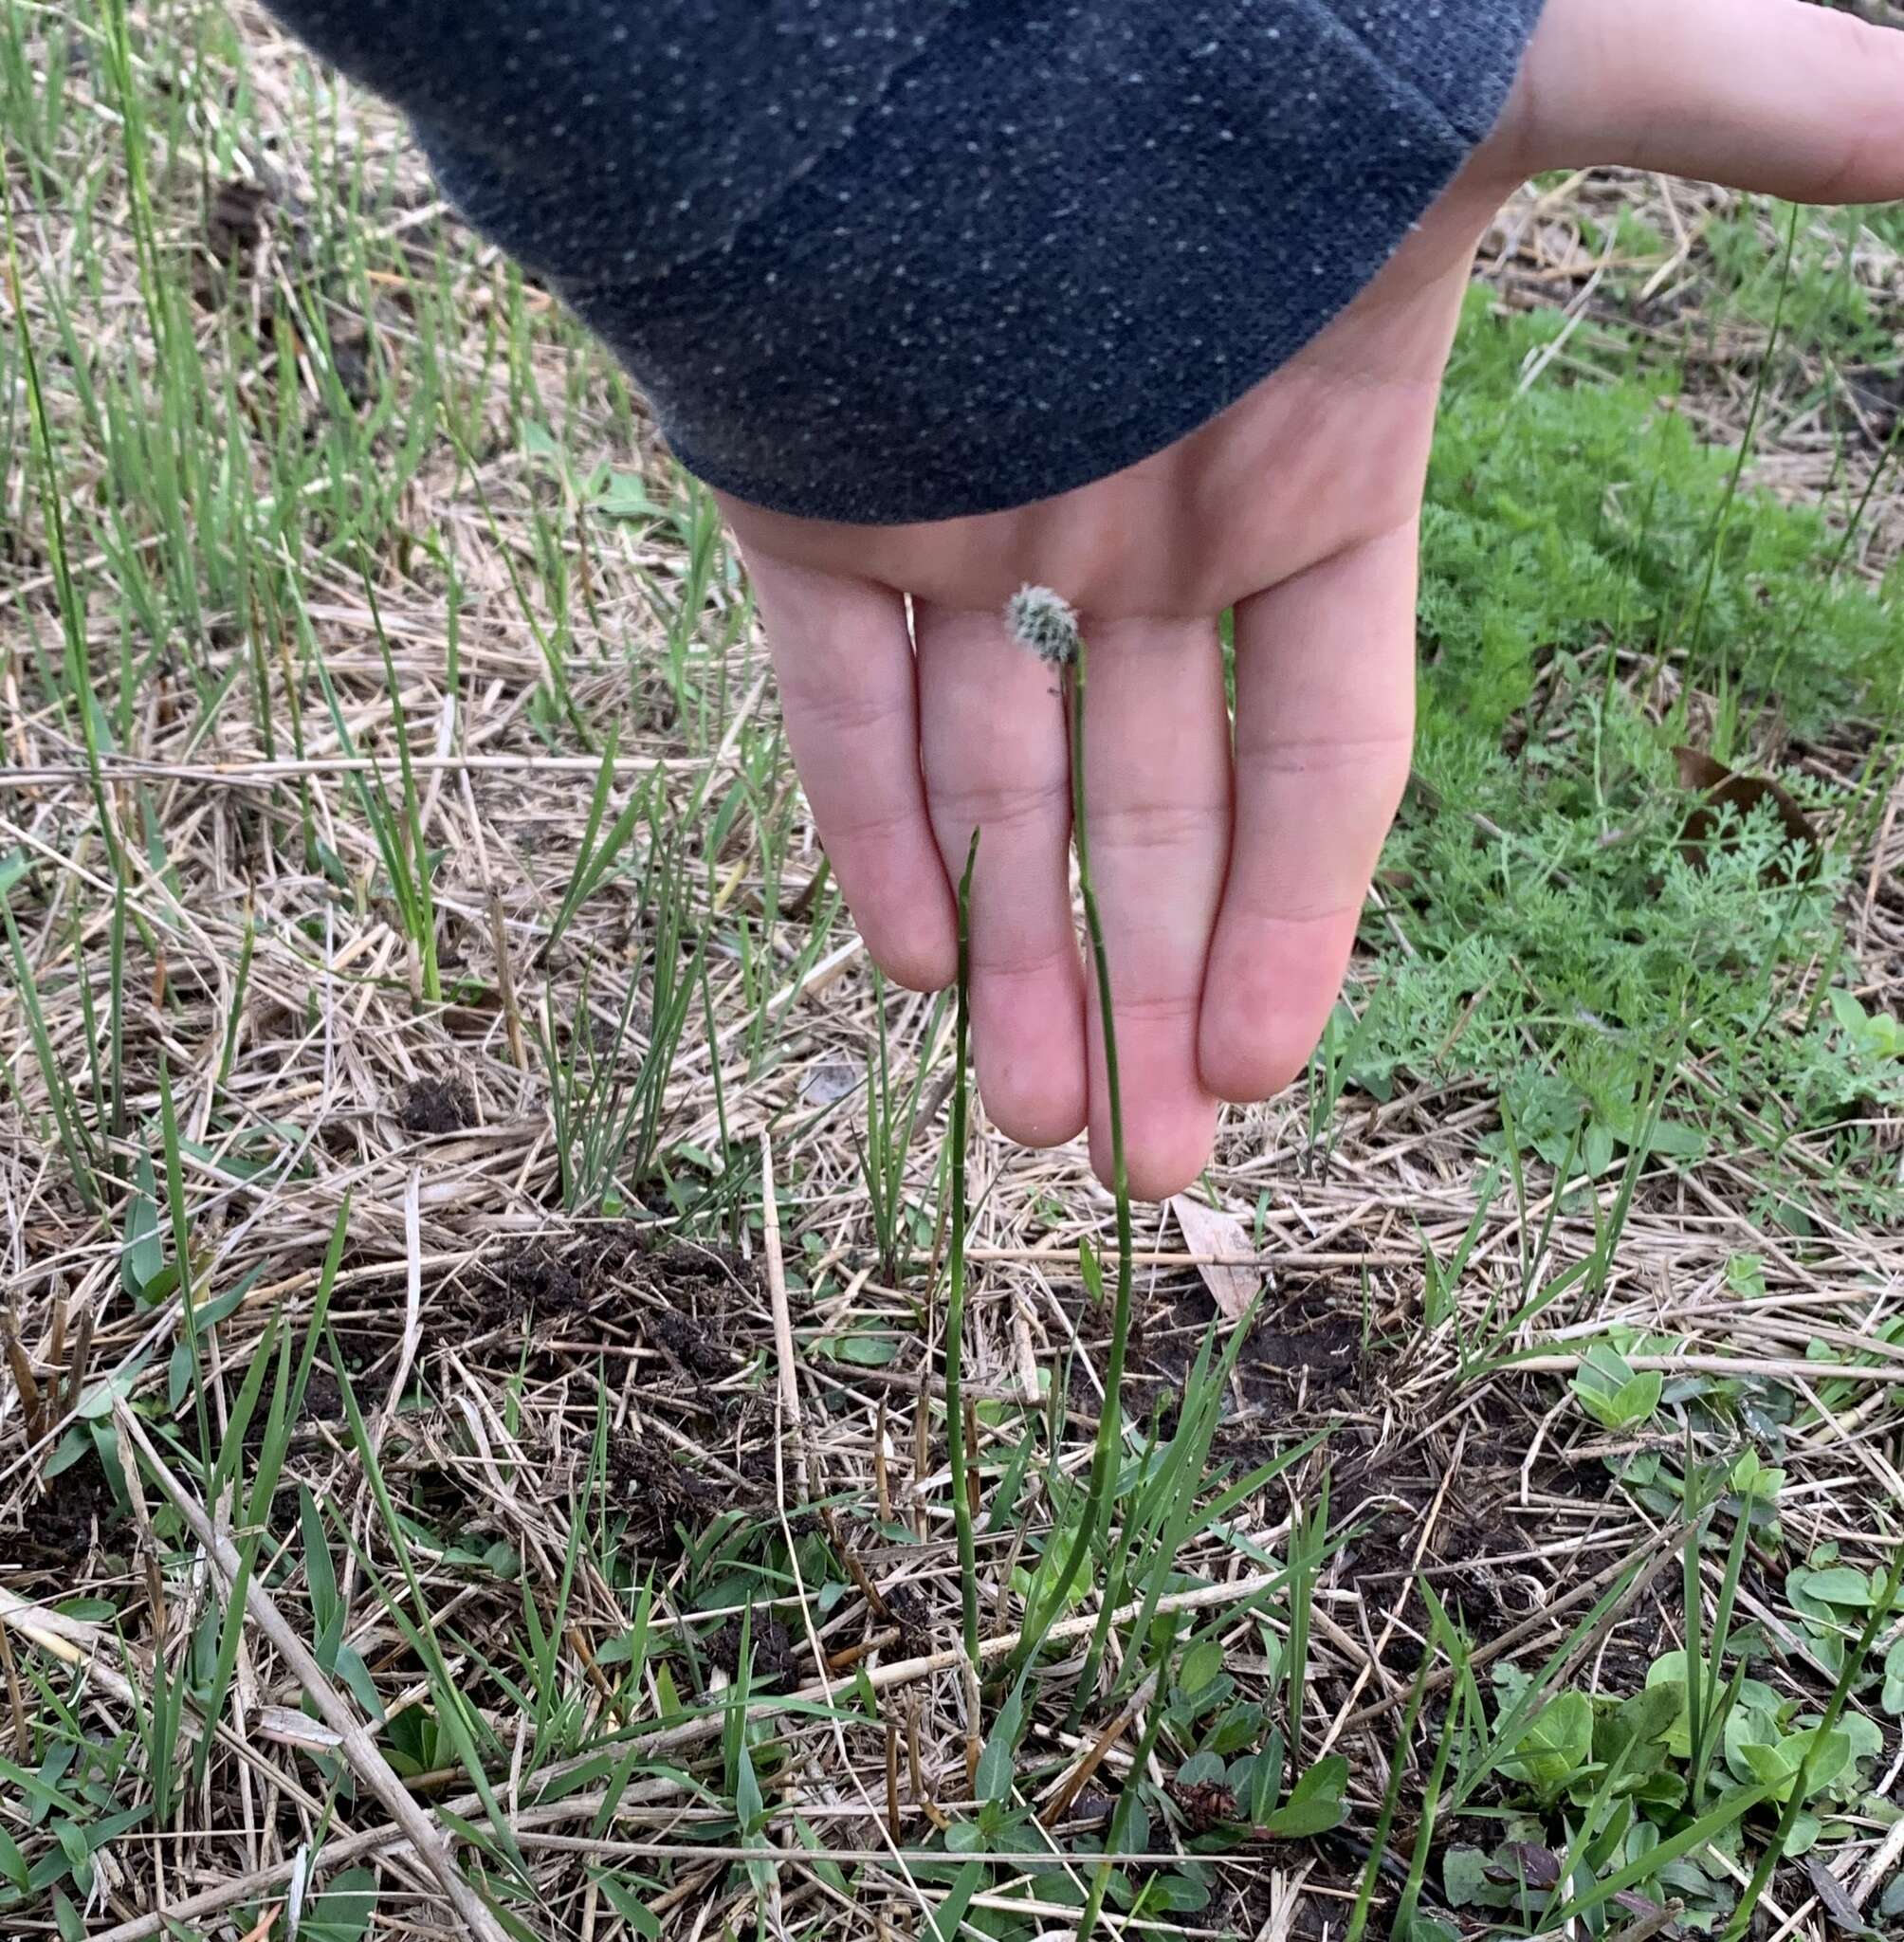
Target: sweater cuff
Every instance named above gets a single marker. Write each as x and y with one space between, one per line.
882 260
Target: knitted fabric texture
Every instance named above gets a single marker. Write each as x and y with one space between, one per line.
891 260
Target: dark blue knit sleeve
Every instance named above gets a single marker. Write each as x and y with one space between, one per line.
888 260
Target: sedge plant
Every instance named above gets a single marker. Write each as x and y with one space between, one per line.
955 1297
1046 623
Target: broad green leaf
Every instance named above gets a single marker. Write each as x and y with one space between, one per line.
1865 1737
1557 1743
1676 1138
868 1351
1841 1585
1650 1714
1181 1894
1634 1401
1465 1881
1315 1804
342 1912
1752 1478
950 1912
356 1675
630 1908
1776 1765
1668 1672
1201 1664
142 1255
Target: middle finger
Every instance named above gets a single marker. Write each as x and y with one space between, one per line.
992 744
1157 793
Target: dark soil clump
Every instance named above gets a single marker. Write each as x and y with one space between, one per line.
1306 1348
911 1614
323 1399
61 1520
687 1341
234 223
682 1298
646 1480
436 1106
1306 1342
536 1278
774 1656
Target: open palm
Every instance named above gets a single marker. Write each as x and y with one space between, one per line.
1231 859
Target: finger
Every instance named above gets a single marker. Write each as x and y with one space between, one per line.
1324 718
1793 99
844 660
997 760
1156 780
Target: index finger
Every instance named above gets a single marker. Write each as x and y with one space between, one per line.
849 695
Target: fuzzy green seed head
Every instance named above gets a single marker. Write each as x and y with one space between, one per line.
1045 622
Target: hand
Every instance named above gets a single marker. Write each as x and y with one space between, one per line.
1231 883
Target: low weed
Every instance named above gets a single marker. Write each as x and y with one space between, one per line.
1561 931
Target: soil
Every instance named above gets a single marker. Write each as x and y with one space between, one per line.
685 1340
691 1304
534 1279
322 1401
775 1656
1314 1918
1304 1360
1880 394
1472 1529
1305 1346
323 1397
60 1521
239 216
437 1105
364 1352
234 222
911 1614
353 358
639 1467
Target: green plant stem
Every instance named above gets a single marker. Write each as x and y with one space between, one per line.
78 666
1715 537
955 1297
1424 1833
1127 1794
1109 1423
181 1248
1358 1920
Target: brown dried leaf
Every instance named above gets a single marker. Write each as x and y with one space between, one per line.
1204 1804
1209 1232
1720 787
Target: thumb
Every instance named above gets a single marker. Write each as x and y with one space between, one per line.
1788 98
